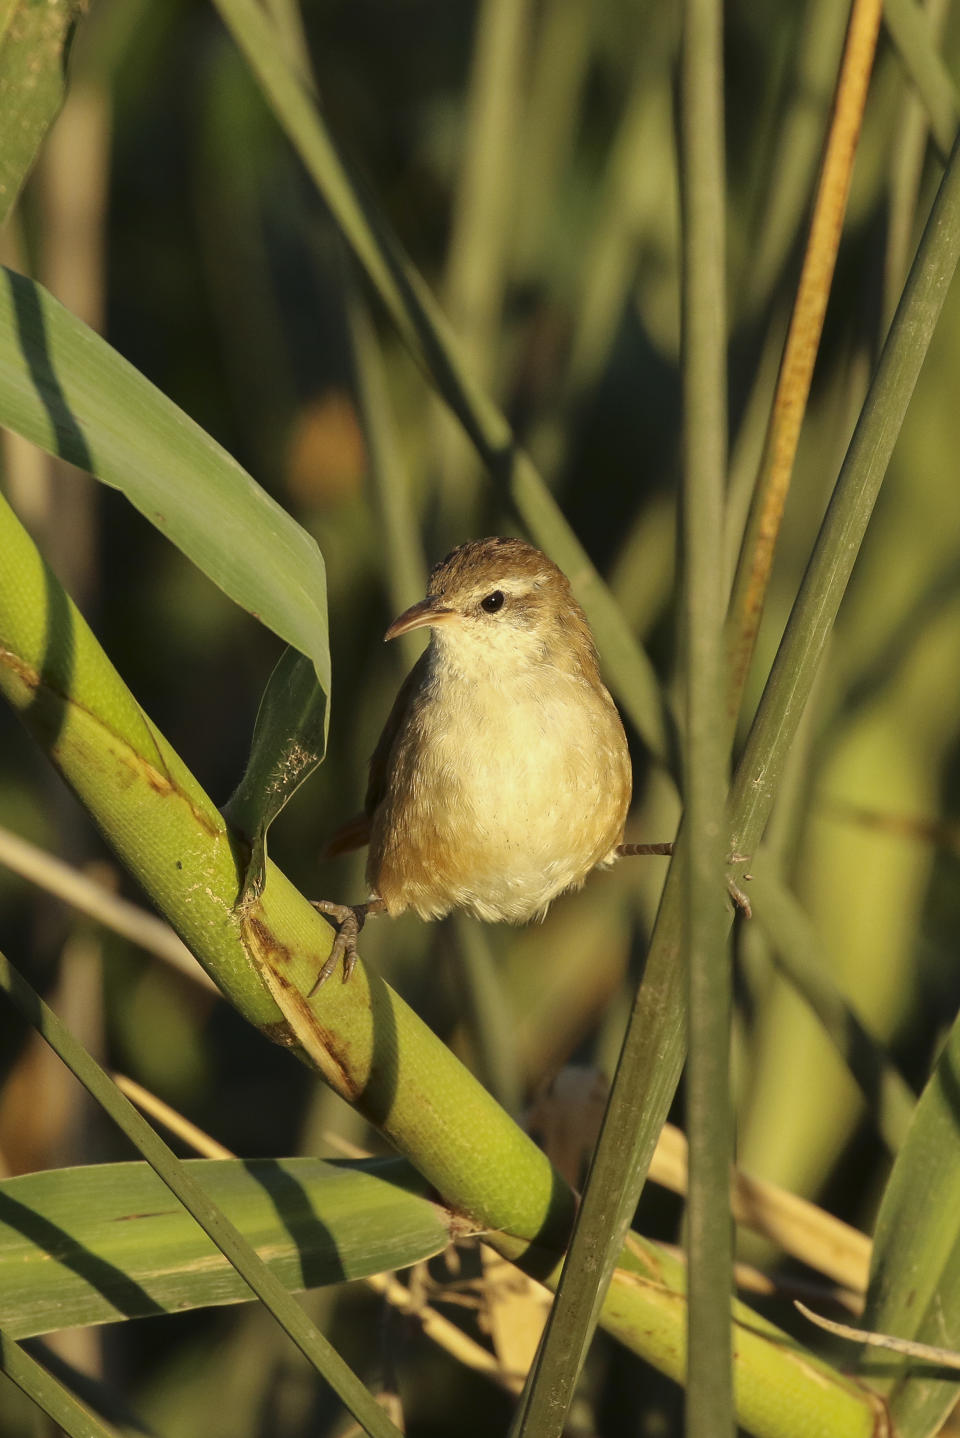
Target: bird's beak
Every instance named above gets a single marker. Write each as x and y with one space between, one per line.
419 616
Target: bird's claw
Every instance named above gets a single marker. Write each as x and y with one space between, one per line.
740 900
348 920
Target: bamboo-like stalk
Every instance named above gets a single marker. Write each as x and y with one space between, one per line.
363 1040
709 1405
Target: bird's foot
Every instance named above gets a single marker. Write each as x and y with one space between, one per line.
348 919
740 900
629 851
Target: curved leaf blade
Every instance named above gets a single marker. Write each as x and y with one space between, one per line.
34 45
289 739
108 1241
914 1289
66 390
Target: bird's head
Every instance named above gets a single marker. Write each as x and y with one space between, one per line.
502 603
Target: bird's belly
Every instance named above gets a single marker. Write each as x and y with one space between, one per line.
502 812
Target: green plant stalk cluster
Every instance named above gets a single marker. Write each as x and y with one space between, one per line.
838 543
809 1400
366 1043
654 1049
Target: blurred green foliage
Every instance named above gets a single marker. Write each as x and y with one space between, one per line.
213 267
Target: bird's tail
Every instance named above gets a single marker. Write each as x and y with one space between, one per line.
354 834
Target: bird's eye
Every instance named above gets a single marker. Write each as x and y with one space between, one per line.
492 602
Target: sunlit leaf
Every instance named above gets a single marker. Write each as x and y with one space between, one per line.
65 389
96 1244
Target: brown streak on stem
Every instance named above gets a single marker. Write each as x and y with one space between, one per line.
629 1279
24 672
268 946
301 1027
280 1033
645 1258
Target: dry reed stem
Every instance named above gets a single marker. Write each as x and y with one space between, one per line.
802 343
799 1227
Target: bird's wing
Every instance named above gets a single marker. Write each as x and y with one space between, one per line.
356 831
380 759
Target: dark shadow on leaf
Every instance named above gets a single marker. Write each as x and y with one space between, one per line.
320 1259
123 1292
70 440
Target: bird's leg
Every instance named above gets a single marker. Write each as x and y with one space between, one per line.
740 900
627 851
348 919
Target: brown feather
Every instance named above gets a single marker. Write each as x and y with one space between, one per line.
355 833
380 758
502 776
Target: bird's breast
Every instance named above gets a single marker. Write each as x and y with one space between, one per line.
499 797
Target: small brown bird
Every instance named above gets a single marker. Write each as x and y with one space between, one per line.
502 776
